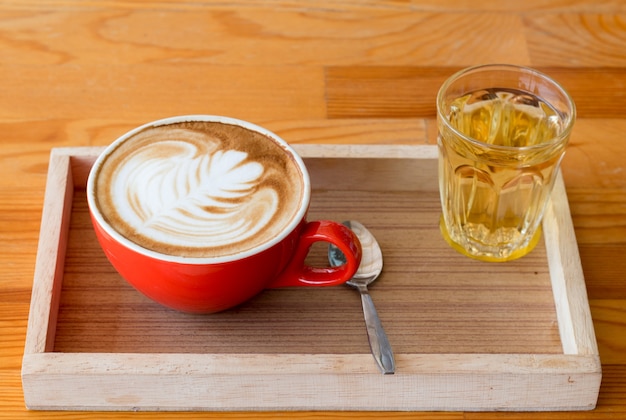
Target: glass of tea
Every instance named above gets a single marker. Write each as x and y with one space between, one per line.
503 130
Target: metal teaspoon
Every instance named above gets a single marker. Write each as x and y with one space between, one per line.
369 270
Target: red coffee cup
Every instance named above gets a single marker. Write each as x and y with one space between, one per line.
185 278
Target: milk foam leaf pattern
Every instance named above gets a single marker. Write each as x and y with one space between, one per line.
196 198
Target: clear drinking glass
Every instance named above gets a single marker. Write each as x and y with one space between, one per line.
503 130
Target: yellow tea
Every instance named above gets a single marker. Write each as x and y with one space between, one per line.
499 155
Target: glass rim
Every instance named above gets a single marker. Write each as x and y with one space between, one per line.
508 67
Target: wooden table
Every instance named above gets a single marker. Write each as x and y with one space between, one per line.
80 73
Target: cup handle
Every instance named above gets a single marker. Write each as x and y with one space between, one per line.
297 273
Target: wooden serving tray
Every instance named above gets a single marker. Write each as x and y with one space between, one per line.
467 335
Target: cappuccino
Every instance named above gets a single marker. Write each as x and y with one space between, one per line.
199 189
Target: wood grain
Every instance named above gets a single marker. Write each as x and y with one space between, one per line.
587 40
100 313
410 92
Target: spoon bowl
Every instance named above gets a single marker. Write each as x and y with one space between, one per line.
372 257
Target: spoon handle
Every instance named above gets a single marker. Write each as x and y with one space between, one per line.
379 343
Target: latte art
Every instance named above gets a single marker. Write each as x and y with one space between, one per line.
199 190
192 199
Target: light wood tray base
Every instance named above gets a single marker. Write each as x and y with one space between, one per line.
467 335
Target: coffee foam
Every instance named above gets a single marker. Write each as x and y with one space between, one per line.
199 189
